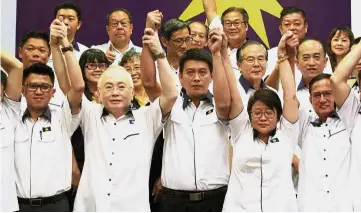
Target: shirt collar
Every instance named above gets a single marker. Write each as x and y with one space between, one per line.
131 46
301 85
134 105
46 115
318 123
105 112
75 45
186 100
246 85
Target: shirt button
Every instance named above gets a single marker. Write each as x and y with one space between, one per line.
326 175
324 136
326 124
113 139
324 159
328 191
115 124
110 179
310 111
110 164
324 150
108 194
112 153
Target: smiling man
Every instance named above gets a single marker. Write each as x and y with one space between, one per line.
119 28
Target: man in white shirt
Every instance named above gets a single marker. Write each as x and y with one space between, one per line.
291 19
72 16
119 28
10 110
349 109
119 142
324 175
42 137
234 22
195 168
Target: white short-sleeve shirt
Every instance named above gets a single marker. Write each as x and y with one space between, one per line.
324 170
350 114
261 173
118 155
119 55
10 114
43 153
196 148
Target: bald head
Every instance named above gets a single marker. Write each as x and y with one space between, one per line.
115 74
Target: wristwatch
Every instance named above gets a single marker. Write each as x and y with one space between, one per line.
66 49
158 55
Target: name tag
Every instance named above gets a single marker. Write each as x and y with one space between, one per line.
209 111
274 140
47 129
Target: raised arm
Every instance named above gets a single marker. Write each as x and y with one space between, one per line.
75 93
340 89
167 79
273 79
147 66
60 66
236 100
210 8
14 68
221 90
290 105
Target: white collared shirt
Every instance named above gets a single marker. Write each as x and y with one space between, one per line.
118 155
196 151
261 173
43 154
119 55
10 114
350 114
324 170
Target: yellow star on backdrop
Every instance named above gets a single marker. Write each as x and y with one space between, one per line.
253 8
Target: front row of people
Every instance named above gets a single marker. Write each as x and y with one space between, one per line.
119 139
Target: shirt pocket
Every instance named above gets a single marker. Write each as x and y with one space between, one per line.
180 118
6 138
46 137
209 119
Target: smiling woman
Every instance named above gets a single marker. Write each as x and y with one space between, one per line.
92 64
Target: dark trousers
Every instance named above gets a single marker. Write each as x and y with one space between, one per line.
183 201
60 206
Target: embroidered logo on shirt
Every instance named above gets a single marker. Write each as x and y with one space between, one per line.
46 129
209 111
274 140
131 121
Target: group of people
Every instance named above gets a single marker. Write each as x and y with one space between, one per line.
200 118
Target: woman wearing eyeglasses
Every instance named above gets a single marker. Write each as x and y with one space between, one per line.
264 138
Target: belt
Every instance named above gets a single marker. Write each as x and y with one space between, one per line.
40 201
194 195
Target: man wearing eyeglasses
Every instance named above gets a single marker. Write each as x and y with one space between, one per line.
43 155
234 22
119 28
324 170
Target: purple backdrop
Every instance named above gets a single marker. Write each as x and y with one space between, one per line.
323 15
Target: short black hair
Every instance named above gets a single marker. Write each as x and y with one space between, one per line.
311 39
205 26
91 56
318 78
359 75
129 56
356 41
337 32
270 99
37 35
197 55
68 5
169 27
241 10
246 44
4 78
116 10
39 69
290 10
